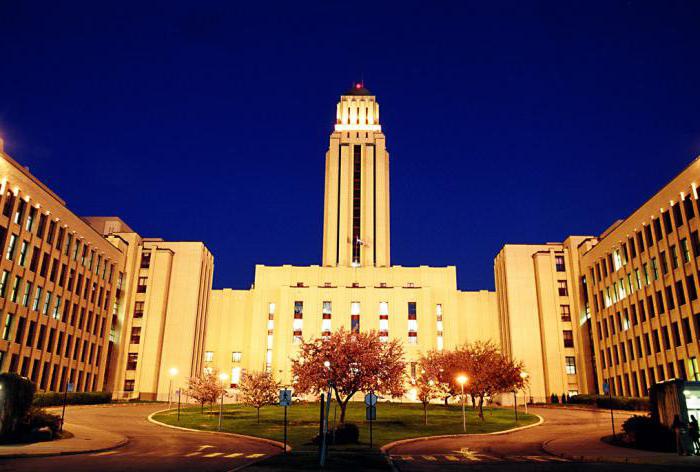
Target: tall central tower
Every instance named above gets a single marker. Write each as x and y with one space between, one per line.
356 206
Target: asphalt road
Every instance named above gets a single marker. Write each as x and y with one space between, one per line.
520 450
151 447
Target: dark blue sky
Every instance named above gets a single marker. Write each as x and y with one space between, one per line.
506 121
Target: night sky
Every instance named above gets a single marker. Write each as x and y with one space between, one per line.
518 122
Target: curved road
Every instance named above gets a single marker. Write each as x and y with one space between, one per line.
520 450
151 447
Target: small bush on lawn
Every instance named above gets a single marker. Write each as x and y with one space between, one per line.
73 398
346 433
554 398
38 420
618 403
644 433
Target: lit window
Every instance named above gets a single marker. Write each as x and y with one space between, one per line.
208 356
570 365
235 356
355 317
562 287
559 262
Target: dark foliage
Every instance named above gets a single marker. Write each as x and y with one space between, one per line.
617 403
345 433
17 394
73 398
644 433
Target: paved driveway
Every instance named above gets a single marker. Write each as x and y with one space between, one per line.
520 450
151 447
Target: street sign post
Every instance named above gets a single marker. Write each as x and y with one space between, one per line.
606 390
371 412
179 390
69 388
285 401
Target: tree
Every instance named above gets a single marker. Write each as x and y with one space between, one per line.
258 389
429 382
489 372
205 389
349 362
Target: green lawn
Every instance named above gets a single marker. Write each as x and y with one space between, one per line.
394 421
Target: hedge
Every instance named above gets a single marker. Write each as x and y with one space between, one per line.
73 398
617 403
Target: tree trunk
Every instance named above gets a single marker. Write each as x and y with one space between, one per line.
202 407
258 415
473 402
481 407
425 413
343 405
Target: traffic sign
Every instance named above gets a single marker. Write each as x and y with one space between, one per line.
606 388
285 397
371 412
70 387
370 399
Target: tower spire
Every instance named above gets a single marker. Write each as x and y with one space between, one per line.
356 206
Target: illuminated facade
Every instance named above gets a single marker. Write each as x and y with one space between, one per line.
58 280
161 312
355 287
642 280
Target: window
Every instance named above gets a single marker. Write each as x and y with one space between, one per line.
30 219
685 250
138 309
7 326
692 289
135 334
677 218
142 283
680 294
664 264
129 385
563 289
688 207
674 257
667 221
565 313
657 229
654 268
570 365
3 282
131 361
146 260
298 322
355 317
384 321
208 356
568 338
236 356
412 323
10 254
15 289
559 262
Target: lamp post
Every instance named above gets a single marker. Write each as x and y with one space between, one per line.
173 373
461 380
523 375
223 377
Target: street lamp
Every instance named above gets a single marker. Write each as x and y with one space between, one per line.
223 377
173 373
523 375
461 380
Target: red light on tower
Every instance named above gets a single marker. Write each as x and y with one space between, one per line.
358 85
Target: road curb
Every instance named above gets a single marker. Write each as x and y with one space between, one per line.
244 436
610 459
385 448
121 443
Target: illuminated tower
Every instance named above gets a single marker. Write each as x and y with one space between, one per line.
356 206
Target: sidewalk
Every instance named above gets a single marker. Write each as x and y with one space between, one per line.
84 439
591 449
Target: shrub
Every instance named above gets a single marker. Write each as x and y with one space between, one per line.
617 403
554 398
345 433
645 433
73 398
18 393
38 419
563 398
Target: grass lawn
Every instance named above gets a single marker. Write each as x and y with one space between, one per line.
394 421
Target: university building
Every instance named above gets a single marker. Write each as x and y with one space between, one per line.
91 302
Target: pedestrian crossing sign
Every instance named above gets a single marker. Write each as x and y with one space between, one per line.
285 397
